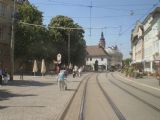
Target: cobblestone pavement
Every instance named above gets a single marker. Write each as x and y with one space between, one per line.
35 98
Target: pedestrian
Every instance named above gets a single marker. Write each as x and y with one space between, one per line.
61 80
79 71
21 72
75 71
57 69
6 77
0 80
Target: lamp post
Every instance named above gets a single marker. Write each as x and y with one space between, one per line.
69 46
12 40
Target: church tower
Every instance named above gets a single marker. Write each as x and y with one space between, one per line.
102 42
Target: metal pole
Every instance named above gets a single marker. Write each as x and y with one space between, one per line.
12 41
68 47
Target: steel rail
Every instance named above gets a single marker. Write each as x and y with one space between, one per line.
62 117
113 105
83 101
137 88
140 99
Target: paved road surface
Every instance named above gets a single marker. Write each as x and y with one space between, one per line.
107 96
125 100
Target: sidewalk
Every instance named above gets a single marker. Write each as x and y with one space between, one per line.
147 80
35 98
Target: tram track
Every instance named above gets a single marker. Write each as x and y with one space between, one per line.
85 106
156 96
83 101
113 105
130 93
82 104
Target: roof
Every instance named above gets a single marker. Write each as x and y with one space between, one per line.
95 51
114 52
137 26
156 10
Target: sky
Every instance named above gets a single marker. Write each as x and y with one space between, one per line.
115 18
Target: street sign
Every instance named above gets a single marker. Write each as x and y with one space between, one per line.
59 58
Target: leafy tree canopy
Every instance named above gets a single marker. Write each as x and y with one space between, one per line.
60 36
30 40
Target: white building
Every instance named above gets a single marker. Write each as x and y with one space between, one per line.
151 40
97 52
105 57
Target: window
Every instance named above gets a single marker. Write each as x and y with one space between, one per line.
1 32
101 59
2 9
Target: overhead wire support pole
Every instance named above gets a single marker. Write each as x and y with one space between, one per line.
12 40
69 46
90 16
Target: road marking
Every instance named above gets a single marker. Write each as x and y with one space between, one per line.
141 83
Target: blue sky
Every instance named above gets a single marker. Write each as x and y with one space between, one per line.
115 18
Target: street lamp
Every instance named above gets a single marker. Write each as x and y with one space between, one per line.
12 41
69 47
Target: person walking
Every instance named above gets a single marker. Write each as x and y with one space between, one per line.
79 71
21 72
60 79
0 80
75 71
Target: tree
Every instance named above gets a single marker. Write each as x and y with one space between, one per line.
126 62
31 41
59 38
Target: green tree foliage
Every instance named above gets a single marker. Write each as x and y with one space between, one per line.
30 41
126 62
59 38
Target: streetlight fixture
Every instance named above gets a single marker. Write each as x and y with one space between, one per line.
12 40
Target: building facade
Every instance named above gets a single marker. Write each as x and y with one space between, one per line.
6 8
107 57
145 41
97 53
137 45
151 41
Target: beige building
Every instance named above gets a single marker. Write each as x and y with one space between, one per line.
6 8
137 44
145 41
151 40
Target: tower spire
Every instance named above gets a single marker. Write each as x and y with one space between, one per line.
102 42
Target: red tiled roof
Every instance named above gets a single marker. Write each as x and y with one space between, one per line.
95 51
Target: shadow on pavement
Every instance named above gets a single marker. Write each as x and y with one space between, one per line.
5 95
25 83
71 89
3 107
